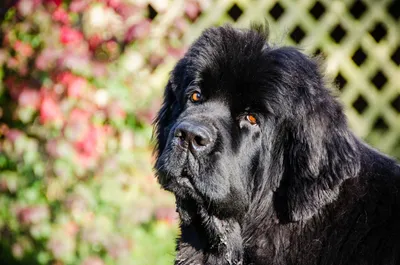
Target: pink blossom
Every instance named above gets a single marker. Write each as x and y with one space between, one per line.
181 24
60 15
138 31
32 214
49 110
70 36
78 5
192 9
113 3
115 111
61 245
89 147
52 148
74 60
92 261
23 48
80 116
77 125
175 52
125 10
13 62
47 58
13 134
99 69
71 228
26 7
76 86
29 98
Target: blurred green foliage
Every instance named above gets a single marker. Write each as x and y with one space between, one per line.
76 180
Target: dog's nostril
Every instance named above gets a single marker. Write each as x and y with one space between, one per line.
179 134
200 141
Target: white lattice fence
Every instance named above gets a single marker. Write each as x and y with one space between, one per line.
359 39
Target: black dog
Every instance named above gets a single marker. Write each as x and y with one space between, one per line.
263 166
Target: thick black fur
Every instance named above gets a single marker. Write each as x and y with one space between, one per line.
297 188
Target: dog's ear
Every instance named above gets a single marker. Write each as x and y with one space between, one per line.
169 108
163 118
317 158
317 152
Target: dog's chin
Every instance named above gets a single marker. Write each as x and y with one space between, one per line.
188 199
175 177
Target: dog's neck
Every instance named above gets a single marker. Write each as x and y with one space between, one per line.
206 239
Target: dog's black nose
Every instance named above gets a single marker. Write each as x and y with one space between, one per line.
195 136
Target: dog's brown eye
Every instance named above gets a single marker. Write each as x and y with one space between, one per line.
251 119
195 97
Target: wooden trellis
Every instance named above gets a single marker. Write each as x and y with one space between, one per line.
359 39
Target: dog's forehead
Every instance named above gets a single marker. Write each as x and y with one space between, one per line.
225 62
223 52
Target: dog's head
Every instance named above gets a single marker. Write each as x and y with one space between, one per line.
241 117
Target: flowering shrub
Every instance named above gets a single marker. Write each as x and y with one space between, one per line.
76 97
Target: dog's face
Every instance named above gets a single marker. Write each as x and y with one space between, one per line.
231 109
210 140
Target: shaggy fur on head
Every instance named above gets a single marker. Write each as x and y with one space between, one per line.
293 187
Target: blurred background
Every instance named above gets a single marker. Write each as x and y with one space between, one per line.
81 82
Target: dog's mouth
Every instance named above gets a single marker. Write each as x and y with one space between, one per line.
176 177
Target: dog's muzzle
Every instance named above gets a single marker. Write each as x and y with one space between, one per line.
196 137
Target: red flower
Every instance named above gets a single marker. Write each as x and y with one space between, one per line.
60 15
55 2
65 78
49 110
88 148
113 3
74 84
70 36
22 48
94 42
